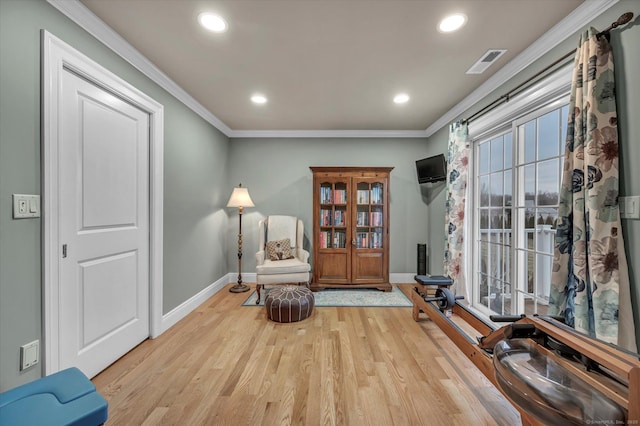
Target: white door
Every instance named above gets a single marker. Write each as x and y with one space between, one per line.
104 226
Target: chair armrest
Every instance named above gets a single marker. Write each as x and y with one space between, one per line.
303 255
260 257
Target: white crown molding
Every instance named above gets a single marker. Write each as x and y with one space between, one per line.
581 16
83 17
328 134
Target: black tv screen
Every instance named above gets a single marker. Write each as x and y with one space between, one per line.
432 169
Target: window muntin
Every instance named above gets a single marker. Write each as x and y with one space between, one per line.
493 245
516 184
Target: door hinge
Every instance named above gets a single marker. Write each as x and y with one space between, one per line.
64 251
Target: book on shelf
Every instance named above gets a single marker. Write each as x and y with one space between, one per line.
362 219
340 196
369 239
362 196
339 239
375 219
332 196
325 217
362 239
339 218
376 195
376 239
324 239
325 195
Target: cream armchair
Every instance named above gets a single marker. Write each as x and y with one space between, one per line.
277 261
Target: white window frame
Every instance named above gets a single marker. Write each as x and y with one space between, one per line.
545 95
518 283
475 228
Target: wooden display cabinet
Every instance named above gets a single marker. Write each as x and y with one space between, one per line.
351 227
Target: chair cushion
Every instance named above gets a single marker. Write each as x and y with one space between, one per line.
287 266
279 250
281 227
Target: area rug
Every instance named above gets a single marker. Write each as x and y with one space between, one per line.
348 297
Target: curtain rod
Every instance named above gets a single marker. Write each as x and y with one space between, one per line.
623 19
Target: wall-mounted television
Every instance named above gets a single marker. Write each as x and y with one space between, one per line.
432 169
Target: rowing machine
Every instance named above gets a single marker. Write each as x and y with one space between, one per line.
444 298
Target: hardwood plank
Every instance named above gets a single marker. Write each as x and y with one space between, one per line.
227 364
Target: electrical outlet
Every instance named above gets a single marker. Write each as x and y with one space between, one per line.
29 354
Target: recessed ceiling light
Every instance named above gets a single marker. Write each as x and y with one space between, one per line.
213 22
452 22
258 99
401 98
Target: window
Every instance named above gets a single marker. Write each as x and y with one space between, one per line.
515 180
493 238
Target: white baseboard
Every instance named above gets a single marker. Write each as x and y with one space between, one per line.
402 277
247 277
188 306
399 277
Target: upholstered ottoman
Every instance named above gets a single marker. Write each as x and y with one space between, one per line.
289 303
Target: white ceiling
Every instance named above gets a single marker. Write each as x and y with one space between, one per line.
330 64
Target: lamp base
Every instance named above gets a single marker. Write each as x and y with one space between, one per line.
239 288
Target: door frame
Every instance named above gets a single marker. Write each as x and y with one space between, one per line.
58 56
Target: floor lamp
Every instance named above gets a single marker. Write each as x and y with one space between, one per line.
240 198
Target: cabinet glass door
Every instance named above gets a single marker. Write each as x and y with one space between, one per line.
368 257
369 218
333 232
333 215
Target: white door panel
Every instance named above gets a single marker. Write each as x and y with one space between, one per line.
107 290
104 223
109 159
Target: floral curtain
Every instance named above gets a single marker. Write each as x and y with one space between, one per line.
457 166
590 280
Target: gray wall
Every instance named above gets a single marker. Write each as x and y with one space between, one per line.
195 181
626 51
276 172
201 167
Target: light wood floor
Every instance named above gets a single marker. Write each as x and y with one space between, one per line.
227 364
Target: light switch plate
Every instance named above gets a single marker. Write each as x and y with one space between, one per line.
26 206
629 207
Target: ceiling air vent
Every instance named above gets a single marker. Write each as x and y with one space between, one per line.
486 60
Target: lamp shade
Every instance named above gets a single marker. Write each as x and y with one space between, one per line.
240 198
